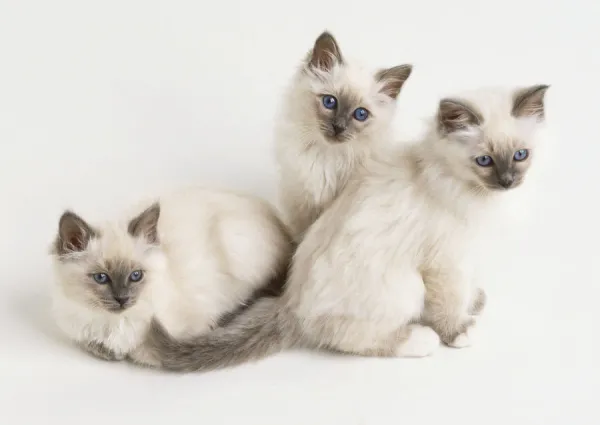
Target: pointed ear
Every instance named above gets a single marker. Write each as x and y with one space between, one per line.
454 115
326 53
74 234
146 224
529 102
393 79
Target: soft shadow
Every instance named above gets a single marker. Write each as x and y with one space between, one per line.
32 309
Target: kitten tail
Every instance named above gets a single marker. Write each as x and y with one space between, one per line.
263 329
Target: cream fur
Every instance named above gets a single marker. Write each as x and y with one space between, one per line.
390 268
312 169
399 244
215 249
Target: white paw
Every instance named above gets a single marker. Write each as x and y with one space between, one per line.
421 342
120 356
464 339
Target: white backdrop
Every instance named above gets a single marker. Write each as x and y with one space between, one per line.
103 101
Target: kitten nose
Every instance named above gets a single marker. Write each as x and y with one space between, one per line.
338 128
506 181
122 300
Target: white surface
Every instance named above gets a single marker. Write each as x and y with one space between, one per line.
102 100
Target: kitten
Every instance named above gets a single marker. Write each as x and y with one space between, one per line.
190 259
333 113
387 269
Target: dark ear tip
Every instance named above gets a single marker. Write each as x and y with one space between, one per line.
325 34
67 215
536 88
155 207
153 211
445 101
67 212
448 101
326 37
541 88
406 69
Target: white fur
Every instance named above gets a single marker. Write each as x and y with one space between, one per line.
313 170
404 234
463 340
422 342
215 249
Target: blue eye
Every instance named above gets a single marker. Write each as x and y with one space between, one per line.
101 278
360 114
484 161
330 102
136 276
521 154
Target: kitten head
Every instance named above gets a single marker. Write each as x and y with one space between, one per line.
106 268
488 137
341 100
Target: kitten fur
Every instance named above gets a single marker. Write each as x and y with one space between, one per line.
203 253
317 148
388 269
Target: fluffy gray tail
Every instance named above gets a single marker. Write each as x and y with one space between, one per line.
261 330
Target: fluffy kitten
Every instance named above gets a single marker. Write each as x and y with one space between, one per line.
331 115
388 269
191 259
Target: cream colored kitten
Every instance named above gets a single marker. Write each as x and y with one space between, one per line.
332 114
190 259
388 269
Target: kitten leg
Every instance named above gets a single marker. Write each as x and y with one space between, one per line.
100 350
419 341
381 326
359 337
446 306
144 356
478 302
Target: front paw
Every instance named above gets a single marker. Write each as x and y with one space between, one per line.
458 335
464 339
101 351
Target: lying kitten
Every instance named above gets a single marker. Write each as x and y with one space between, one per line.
190 260
387 269
332 114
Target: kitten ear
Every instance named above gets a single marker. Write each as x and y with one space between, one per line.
454 115
74 234
529 102
326 53
146 224
392 79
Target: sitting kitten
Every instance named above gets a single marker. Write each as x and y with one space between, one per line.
387 269
331 116
190 260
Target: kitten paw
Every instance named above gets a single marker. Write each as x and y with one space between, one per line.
97 349
463 339
421 342
456 335
118 357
